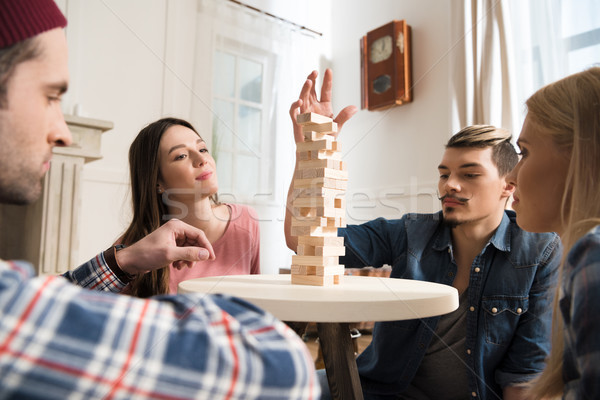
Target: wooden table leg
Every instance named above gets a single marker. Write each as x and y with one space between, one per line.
298 327
340 361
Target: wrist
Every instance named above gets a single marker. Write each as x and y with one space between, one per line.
114 260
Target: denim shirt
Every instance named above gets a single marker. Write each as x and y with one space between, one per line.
579 309
510 295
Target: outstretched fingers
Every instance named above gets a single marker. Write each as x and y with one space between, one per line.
326 86
345 115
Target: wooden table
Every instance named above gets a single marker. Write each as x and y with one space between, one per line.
357 298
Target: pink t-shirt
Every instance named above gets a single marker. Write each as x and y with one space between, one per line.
237 251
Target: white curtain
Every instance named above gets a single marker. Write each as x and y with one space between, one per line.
296 53
482 78
552 39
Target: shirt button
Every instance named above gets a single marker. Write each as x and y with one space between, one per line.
519 310
473 394
468 351
449 251
494 310
477 269
471 308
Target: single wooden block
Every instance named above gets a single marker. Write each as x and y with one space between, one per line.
324 163
325 251
318 145
325 127
320 182
318 155
317 192
313 212
305 250
339 202
325 154
337 222
315 260
329 212
314 202
313 231
311 221
303 270
316 280
311 136
312 118
304 155
304 212
321 241
305 173
317 270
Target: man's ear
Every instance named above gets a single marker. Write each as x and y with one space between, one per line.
508 189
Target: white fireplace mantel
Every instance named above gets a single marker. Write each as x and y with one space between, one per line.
46 233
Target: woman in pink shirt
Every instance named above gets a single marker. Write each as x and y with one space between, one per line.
174 176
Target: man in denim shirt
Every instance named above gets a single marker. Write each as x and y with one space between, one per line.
499 336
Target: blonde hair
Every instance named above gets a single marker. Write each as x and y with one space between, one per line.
504 154
569 112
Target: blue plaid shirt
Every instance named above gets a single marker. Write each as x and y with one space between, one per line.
579 307
60 341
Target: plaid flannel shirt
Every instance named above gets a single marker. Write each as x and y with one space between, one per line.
60 341
579 309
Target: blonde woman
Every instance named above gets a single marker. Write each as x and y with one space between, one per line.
558 189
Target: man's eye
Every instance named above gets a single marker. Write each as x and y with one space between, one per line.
443 176
204 150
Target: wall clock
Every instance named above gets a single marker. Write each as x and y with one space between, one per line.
386 66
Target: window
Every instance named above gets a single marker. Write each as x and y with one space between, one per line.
553 39
240 128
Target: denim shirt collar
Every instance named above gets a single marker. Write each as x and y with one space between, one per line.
500 239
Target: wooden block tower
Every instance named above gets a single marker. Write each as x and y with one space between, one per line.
318 206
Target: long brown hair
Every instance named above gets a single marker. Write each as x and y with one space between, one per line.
569 112
148 208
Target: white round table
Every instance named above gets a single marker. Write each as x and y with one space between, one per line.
355 299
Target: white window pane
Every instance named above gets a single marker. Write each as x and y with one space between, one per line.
222 124
224 75
247 169
250 80
224 172
583 58
580 16
249 132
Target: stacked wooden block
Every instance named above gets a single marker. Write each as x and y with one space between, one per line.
318 206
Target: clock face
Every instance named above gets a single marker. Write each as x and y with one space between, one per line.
381 49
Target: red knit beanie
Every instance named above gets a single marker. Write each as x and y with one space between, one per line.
22 19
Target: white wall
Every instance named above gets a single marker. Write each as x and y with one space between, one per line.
131 63
392 155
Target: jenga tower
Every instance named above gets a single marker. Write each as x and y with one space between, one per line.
318 207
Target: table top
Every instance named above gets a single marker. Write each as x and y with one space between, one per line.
355 299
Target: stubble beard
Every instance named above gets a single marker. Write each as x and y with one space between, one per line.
19 187
451 221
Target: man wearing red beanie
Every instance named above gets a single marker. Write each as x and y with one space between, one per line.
58 340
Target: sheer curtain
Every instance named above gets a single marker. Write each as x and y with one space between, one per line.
482 77
552 39
290 54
